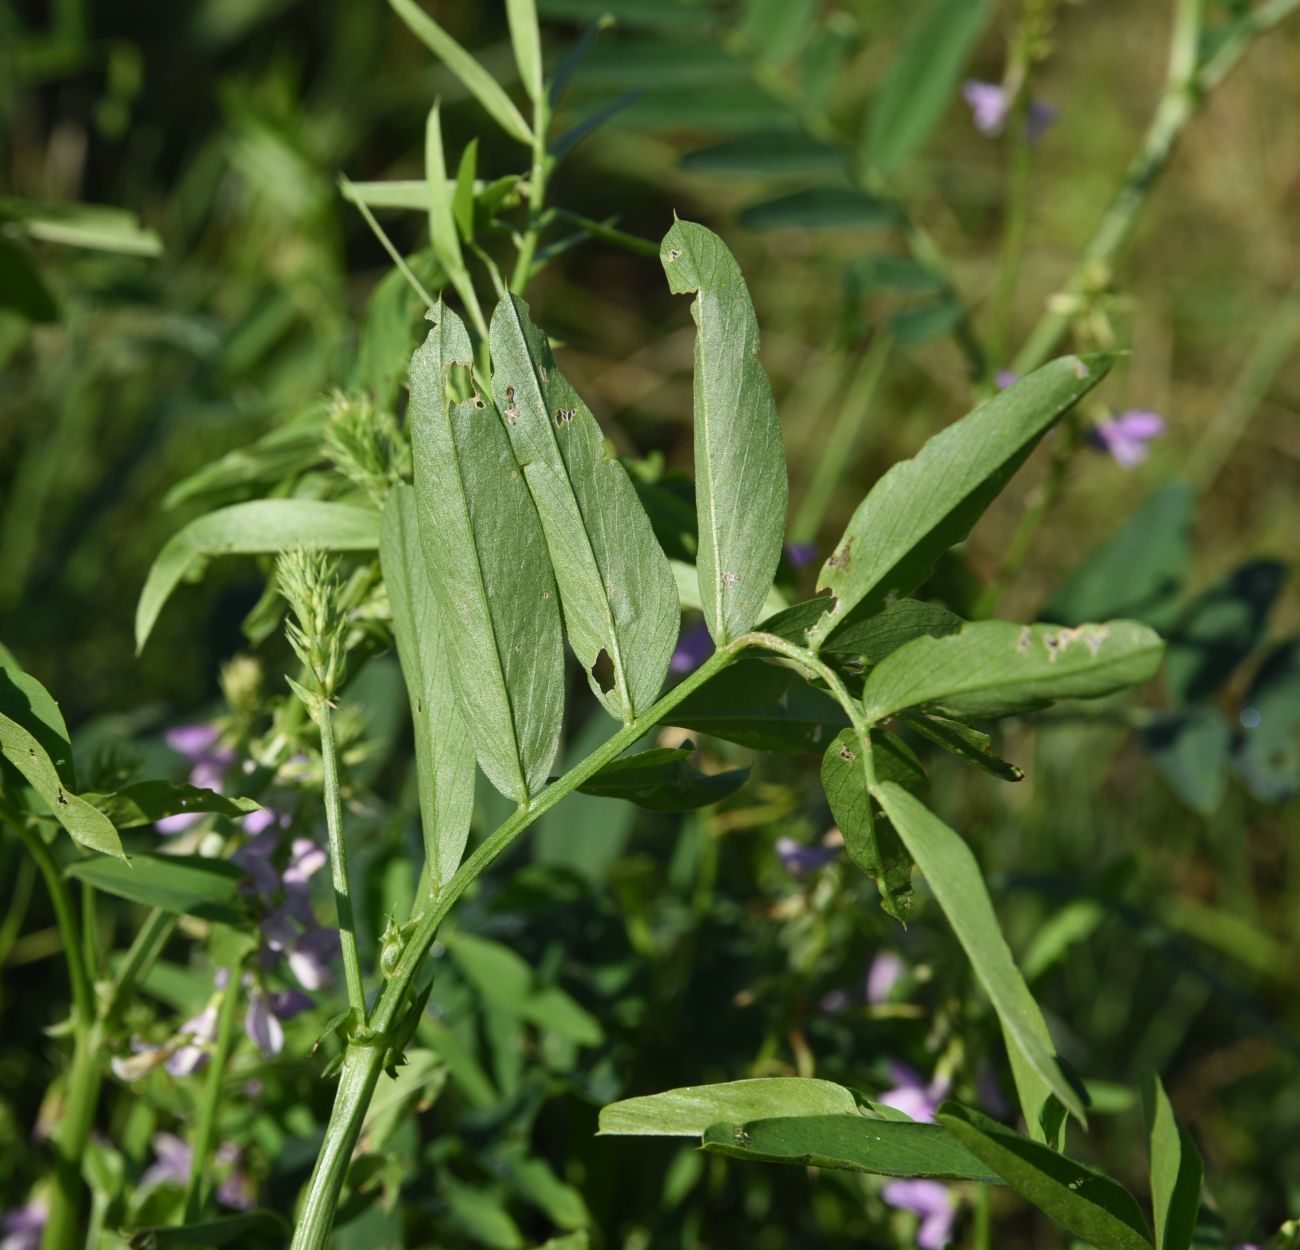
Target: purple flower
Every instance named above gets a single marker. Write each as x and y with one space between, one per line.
1126 436
265 1013
236 1190
990 105
693 648
801 555
797 858
886 970
201 1031
209 761
1004 378
310 955
931 1203
912 1096
171 1161
24 1226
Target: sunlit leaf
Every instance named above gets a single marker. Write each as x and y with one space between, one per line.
144 802
189 884
1176 1170
688 1112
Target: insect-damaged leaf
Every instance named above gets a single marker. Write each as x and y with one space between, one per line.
741 489
922 506
616 587
444 752
487 563
954 877
993 668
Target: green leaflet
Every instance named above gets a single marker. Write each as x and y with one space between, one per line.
663 780
444 751
616 587
143 802
487 562
954 877
526 40
1176 1170
741 490
970 745
992 668
87 824
851 1143
263 526
871 638
688 1112
475 78
873 846
922 78
820 208
26 701
1092 1206
922 506
189 884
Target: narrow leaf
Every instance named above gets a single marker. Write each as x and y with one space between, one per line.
1176 1170
144 802
992 668
853 1144
526 40
776 152
820 208
475 78
487 563
872 845
922 506
1089 1204
24 700
462 200
189 884
688 1112
970 745
85 823
262 526
662 780
254 1228
871 638
765 706
954 877
741 488
444 750
921 81
444 238
615 583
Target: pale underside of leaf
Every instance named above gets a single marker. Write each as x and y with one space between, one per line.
689 1111
922 506
487 562
741 487
616 586
444 751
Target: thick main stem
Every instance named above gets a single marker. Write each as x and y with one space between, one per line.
364 1059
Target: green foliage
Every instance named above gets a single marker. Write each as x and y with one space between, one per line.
188 884
662 780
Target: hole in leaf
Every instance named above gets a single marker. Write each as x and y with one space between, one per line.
603 672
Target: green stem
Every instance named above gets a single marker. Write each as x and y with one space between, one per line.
523 270
139 958
364 1059
1013 231
1184 92
339 866
205 1133
834 459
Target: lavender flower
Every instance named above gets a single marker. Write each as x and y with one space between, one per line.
209 762
931 1202
797 858
192 1054
172 1158
265 1013
1004 378
1126 436
912 1096
693 647
801 555
886 970
23 1227
990 105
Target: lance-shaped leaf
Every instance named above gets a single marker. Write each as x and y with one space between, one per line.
616 587
444 751
740 479
1093 1207
871 639
971 745
993 668
954 877
765 706
922 506
853 1144
24 700
872 845
689 1111
189 884
144 802
488 566
1176 1170
263 526
663 780
87 824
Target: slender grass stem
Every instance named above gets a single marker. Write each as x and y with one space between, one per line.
523 269
339 866
205 1133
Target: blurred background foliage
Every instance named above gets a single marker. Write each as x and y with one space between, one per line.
1160 921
